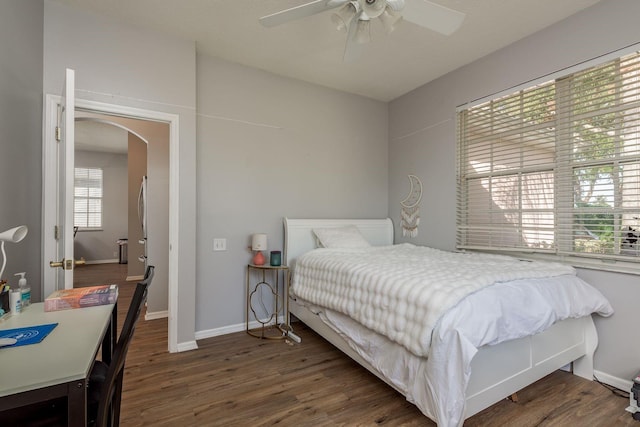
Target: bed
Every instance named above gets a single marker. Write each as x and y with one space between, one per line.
453 381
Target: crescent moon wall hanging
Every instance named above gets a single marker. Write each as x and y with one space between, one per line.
410 212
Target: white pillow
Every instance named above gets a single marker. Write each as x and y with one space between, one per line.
340 237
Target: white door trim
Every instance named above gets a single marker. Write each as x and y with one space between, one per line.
49 196
49 193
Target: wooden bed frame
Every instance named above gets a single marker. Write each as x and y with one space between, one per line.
496 371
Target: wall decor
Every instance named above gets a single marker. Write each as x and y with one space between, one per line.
410 212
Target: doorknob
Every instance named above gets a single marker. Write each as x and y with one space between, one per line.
67 264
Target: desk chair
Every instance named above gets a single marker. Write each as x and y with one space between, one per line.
105 383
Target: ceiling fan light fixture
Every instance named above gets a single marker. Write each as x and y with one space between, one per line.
373 8
363 31
389 20
343 17
354 16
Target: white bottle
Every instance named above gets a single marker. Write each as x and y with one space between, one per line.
25 291
15 299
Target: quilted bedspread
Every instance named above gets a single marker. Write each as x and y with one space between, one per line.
401 291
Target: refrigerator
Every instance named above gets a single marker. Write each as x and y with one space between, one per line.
142 217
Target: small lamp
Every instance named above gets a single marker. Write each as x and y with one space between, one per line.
258 244
13 235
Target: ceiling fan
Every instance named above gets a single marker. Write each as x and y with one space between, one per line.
355 16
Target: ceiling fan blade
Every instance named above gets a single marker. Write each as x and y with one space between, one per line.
432 16
353 49
396 5
301 11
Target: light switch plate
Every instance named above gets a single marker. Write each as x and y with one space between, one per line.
219 244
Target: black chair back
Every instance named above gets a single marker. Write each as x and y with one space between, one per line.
111 388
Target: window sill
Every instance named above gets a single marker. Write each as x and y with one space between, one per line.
614 266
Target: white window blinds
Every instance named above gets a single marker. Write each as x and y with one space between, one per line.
555 168
87 212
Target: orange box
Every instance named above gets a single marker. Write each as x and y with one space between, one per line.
90 296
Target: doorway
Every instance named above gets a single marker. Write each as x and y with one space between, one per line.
50 199
145 144
139 196
110 164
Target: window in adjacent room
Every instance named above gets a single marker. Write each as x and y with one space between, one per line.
555 168
87 212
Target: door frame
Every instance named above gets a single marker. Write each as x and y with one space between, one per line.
50 199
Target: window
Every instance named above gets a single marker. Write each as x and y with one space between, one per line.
87 211
555 168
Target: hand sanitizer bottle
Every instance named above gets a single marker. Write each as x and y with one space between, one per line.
25 291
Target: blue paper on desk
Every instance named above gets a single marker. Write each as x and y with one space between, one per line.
27 335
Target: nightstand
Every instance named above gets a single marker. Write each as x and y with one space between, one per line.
268 301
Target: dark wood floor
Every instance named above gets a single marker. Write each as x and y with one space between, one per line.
238 380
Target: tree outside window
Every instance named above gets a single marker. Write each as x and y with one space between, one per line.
555 168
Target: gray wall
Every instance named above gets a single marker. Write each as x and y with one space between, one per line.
100 245
270 147
21 136
422 141
132 67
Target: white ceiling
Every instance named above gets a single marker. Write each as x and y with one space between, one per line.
311 49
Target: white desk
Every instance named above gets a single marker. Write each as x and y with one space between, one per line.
61 363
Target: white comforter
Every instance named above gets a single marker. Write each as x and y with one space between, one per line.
507 310
401 291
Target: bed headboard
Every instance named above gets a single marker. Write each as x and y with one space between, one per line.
299 238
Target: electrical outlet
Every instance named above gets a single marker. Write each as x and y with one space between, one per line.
219 244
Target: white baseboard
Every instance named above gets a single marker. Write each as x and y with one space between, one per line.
103 261
182 346
210 333
239 327
156 315
619 383
187 346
